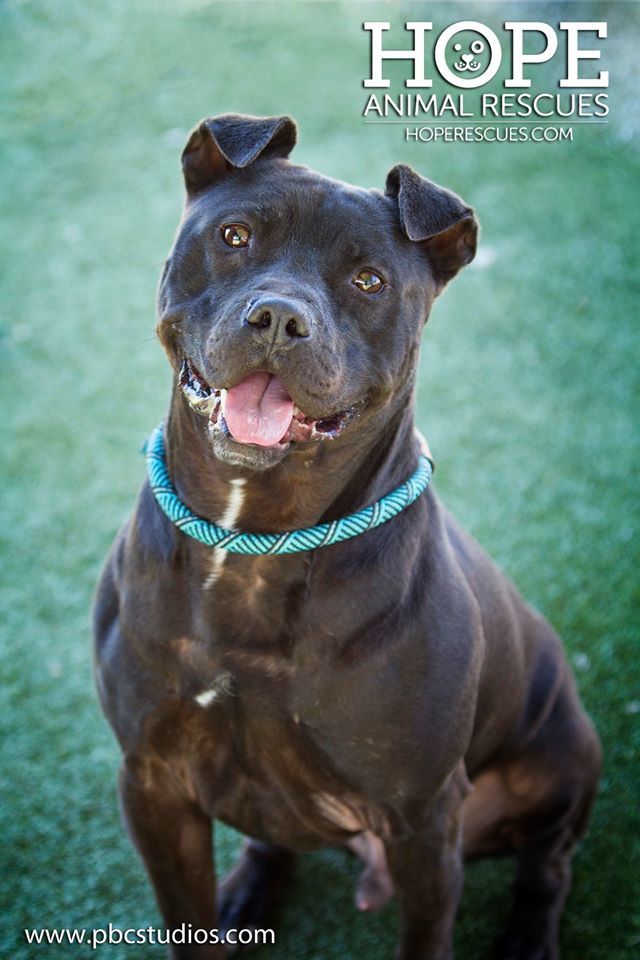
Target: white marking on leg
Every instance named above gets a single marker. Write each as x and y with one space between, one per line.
338 812
228 521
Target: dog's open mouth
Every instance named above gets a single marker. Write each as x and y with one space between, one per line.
258 411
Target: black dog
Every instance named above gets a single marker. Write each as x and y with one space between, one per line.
393 693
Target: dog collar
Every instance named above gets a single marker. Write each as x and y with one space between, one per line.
294 541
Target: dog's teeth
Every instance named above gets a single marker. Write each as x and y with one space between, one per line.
215 410
208 405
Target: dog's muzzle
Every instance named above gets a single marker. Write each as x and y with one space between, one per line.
258 411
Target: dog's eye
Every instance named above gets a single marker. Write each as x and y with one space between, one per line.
368 281
235 234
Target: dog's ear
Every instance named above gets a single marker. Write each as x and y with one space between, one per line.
436 217
218 144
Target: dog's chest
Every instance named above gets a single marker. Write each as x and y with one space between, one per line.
251 723
262 769
274 746
250 601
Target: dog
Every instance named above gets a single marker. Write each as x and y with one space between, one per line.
391 694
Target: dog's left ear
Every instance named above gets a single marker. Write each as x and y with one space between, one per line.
436 217
218 144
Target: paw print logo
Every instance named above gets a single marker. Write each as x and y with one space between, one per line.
467 61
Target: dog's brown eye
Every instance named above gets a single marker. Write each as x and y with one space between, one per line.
236 234
368 281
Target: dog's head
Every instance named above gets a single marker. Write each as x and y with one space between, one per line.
291 305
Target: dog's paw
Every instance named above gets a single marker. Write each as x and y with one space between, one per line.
515 947
246 896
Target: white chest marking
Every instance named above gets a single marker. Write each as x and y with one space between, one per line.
228 520
206 697
222 686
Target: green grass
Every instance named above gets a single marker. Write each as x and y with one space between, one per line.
528 394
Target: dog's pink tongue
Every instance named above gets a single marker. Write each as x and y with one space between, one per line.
258 410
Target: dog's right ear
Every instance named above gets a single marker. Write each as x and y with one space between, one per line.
220 144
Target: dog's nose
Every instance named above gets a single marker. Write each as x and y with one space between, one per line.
467 57
284 319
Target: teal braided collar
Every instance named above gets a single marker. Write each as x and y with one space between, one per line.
258 544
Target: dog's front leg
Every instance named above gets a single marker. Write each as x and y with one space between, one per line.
426 868
174 839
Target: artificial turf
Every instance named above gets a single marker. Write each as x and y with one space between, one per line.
527 391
